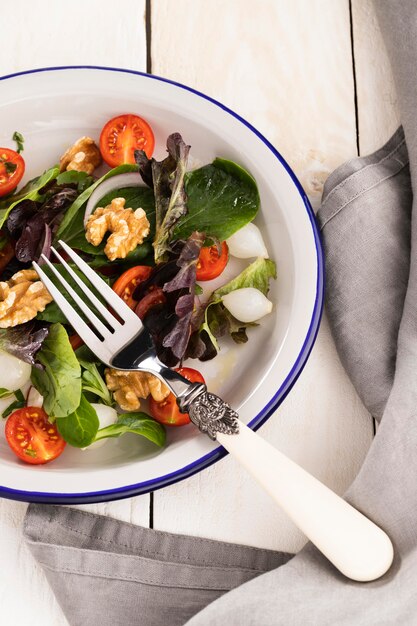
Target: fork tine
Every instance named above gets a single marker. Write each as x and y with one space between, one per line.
72 316
105 313
95 321
117 304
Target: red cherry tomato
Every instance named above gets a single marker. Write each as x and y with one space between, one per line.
151 299
32 437
12 168
126 283
122 135
167 411
210 263
75 341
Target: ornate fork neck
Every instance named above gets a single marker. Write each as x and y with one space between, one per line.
206 410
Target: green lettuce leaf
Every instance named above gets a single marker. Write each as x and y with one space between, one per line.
65 229
257 275
73 177
218 321
92 382
80 427
29 192
137 423
60 380
222 198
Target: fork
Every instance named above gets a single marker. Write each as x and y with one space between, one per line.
354 544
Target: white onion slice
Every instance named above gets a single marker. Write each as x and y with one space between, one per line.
247 304
34 398
106 416
131 179
247 243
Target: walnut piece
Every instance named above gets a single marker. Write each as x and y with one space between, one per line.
21 298
129 387
128 227
83 156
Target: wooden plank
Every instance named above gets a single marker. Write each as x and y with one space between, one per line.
45 34
378 109
38 34
287 68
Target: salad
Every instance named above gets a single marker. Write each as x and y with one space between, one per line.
158 232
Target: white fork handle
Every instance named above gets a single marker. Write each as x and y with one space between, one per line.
354 544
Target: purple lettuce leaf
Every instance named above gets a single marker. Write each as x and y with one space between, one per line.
177 339
28 242
20 215
36 233
145 167
177 205
166 178
24 341
172 323
200 347
187 262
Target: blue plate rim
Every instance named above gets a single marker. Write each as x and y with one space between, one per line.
135 489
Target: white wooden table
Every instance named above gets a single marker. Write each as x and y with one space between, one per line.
313 76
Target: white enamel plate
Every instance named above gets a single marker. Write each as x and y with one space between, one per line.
52 108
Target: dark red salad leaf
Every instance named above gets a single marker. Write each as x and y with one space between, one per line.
24 341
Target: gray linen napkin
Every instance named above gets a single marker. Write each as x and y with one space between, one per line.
108 572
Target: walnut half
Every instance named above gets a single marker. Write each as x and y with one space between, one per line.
21 298
128 227
83 156
129 387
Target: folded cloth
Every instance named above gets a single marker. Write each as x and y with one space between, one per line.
112 573
107 572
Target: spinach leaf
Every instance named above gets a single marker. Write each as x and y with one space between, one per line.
222 198
66 227
72 177
79 428
93 382
31 191
137 423
60 381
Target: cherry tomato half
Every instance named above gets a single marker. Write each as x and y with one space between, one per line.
122 135
210 263
126 283
32 437
12 168
149 300
75 341
167 411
